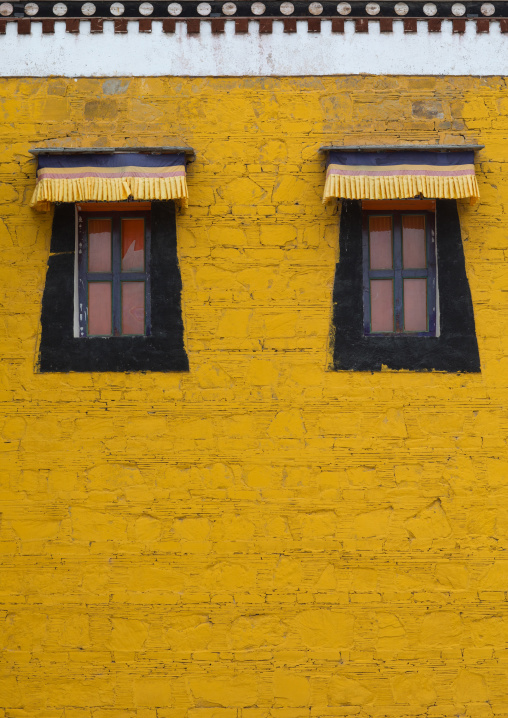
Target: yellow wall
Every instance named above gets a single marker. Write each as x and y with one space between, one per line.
259 537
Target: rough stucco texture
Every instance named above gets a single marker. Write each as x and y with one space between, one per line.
254 54
259 537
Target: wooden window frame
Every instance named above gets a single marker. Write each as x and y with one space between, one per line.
116 276
397 274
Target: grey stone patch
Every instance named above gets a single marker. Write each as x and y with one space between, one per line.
115 86
428 110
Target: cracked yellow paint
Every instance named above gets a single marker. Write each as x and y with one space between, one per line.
260 537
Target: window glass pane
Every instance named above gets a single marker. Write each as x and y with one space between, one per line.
415 305
133 307
99 308
133 245
381 305
99 245
380 242
414 255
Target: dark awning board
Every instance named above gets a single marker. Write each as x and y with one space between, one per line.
188 151
399 148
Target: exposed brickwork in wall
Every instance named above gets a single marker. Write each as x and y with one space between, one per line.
260 537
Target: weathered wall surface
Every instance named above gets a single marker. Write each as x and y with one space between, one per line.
259 537
302 53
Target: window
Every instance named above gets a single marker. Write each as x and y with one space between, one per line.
112 298
399 271
401 297
114 276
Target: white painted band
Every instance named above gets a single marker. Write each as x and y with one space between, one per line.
298 54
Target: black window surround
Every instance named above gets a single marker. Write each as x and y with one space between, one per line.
162 351
454 350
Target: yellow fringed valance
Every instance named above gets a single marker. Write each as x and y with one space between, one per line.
109 178
48 191
401 187
401 175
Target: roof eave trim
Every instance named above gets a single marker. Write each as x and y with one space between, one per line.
399 148
36 151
